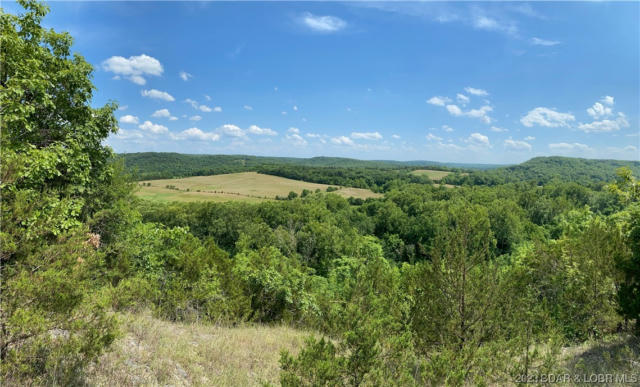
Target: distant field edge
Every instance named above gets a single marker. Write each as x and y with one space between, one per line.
241 186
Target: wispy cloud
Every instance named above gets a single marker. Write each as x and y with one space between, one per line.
498 18
295 139
342 140
196 134
157 94
569 147
433 137
516 145
324 24
478 92
366 136
543 42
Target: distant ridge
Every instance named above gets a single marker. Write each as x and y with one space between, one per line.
181 164
542 170
157 165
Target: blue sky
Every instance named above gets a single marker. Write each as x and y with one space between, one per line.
457 82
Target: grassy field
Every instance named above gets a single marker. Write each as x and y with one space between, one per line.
153 352
432 174
246 186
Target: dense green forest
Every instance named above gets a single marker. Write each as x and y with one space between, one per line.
483 284
542 170
151 165
376 179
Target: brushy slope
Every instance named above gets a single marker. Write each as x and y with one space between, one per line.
157 352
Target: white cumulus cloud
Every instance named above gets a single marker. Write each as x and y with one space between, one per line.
161 113
477 139
134 68
607 99
599 110
438 100
342 140
197 134
546 117
481 113
255 129
157 94
605 125
232 130
153 128
129 119
602 113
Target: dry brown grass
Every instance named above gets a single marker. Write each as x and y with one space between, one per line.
616 355
245 186
155 352
432 174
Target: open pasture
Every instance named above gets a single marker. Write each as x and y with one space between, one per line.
432 174
245 186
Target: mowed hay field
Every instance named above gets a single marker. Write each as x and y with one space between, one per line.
432 174
245 186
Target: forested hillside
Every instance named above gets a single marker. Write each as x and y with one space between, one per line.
479 285
542 170
375 174
152 165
